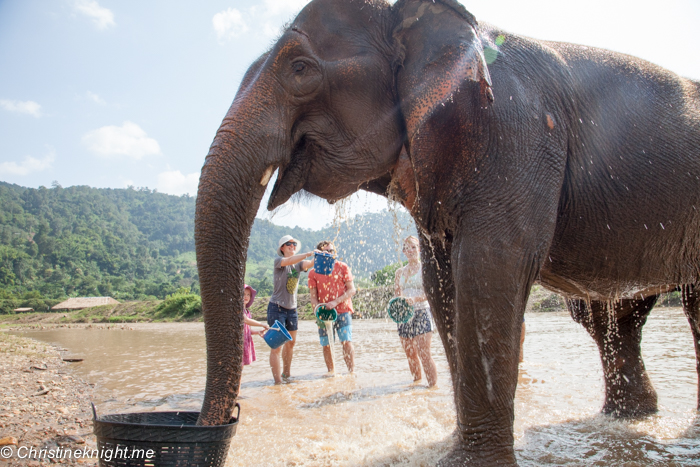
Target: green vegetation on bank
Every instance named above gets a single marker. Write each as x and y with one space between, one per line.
180 306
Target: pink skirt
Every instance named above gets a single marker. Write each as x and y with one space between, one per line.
248 346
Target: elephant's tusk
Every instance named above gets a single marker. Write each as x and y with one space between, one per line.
266 175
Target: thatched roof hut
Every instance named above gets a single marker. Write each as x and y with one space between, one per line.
23 310
79 303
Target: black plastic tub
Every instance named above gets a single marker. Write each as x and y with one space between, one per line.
160 439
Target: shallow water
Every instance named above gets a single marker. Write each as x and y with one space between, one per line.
379 418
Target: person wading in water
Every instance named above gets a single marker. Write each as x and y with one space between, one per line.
283 302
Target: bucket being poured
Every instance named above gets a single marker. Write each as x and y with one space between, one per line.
325 318
323 263
400 310
277 335
324 314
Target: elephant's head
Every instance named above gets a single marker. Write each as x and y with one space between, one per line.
330 106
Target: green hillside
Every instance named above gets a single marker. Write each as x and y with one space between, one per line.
137 244
82 241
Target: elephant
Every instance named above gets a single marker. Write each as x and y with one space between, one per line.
520 160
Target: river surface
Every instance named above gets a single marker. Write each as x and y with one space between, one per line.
377 417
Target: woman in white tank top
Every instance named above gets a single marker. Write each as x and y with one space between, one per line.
416 335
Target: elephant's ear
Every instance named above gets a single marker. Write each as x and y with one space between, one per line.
439 50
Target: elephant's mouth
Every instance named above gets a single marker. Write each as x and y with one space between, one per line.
309 169
291 177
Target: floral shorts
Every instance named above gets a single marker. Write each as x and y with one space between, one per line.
419 324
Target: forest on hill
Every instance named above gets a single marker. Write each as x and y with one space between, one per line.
138 244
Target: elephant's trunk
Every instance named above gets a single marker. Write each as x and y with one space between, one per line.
231 188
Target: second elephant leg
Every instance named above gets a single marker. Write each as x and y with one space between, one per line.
691 306
617 331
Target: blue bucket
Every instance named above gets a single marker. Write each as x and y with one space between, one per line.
323 263
277 335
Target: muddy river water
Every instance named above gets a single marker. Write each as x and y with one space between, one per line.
377 417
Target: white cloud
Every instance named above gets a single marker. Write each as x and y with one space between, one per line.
23 107
29 165
229 24
175 183
95 98
102 17
126 140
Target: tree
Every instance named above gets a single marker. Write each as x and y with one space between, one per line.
385 276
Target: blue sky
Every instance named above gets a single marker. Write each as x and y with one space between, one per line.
113 93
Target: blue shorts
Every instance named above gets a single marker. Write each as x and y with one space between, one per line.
286 316
342 326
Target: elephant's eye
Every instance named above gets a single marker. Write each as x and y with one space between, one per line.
304 77
298 67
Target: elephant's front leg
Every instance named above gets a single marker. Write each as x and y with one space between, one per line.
492 279
691 306
618 334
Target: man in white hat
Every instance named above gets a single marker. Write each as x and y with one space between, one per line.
283 302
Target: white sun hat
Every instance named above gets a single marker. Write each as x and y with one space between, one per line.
285 239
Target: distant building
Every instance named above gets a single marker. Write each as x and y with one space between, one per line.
23 310
79 303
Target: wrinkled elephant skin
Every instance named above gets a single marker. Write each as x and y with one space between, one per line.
568 165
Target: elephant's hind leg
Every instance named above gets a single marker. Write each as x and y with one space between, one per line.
691 306
617 330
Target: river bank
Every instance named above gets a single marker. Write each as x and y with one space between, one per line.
45 406
369 303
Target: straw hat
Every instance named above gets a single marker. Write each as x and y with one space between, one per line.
285 239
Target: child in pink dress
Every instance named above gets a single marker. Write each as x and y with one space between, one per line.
249 294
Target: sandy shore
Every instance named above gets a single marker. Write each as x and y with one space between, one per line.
44 406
